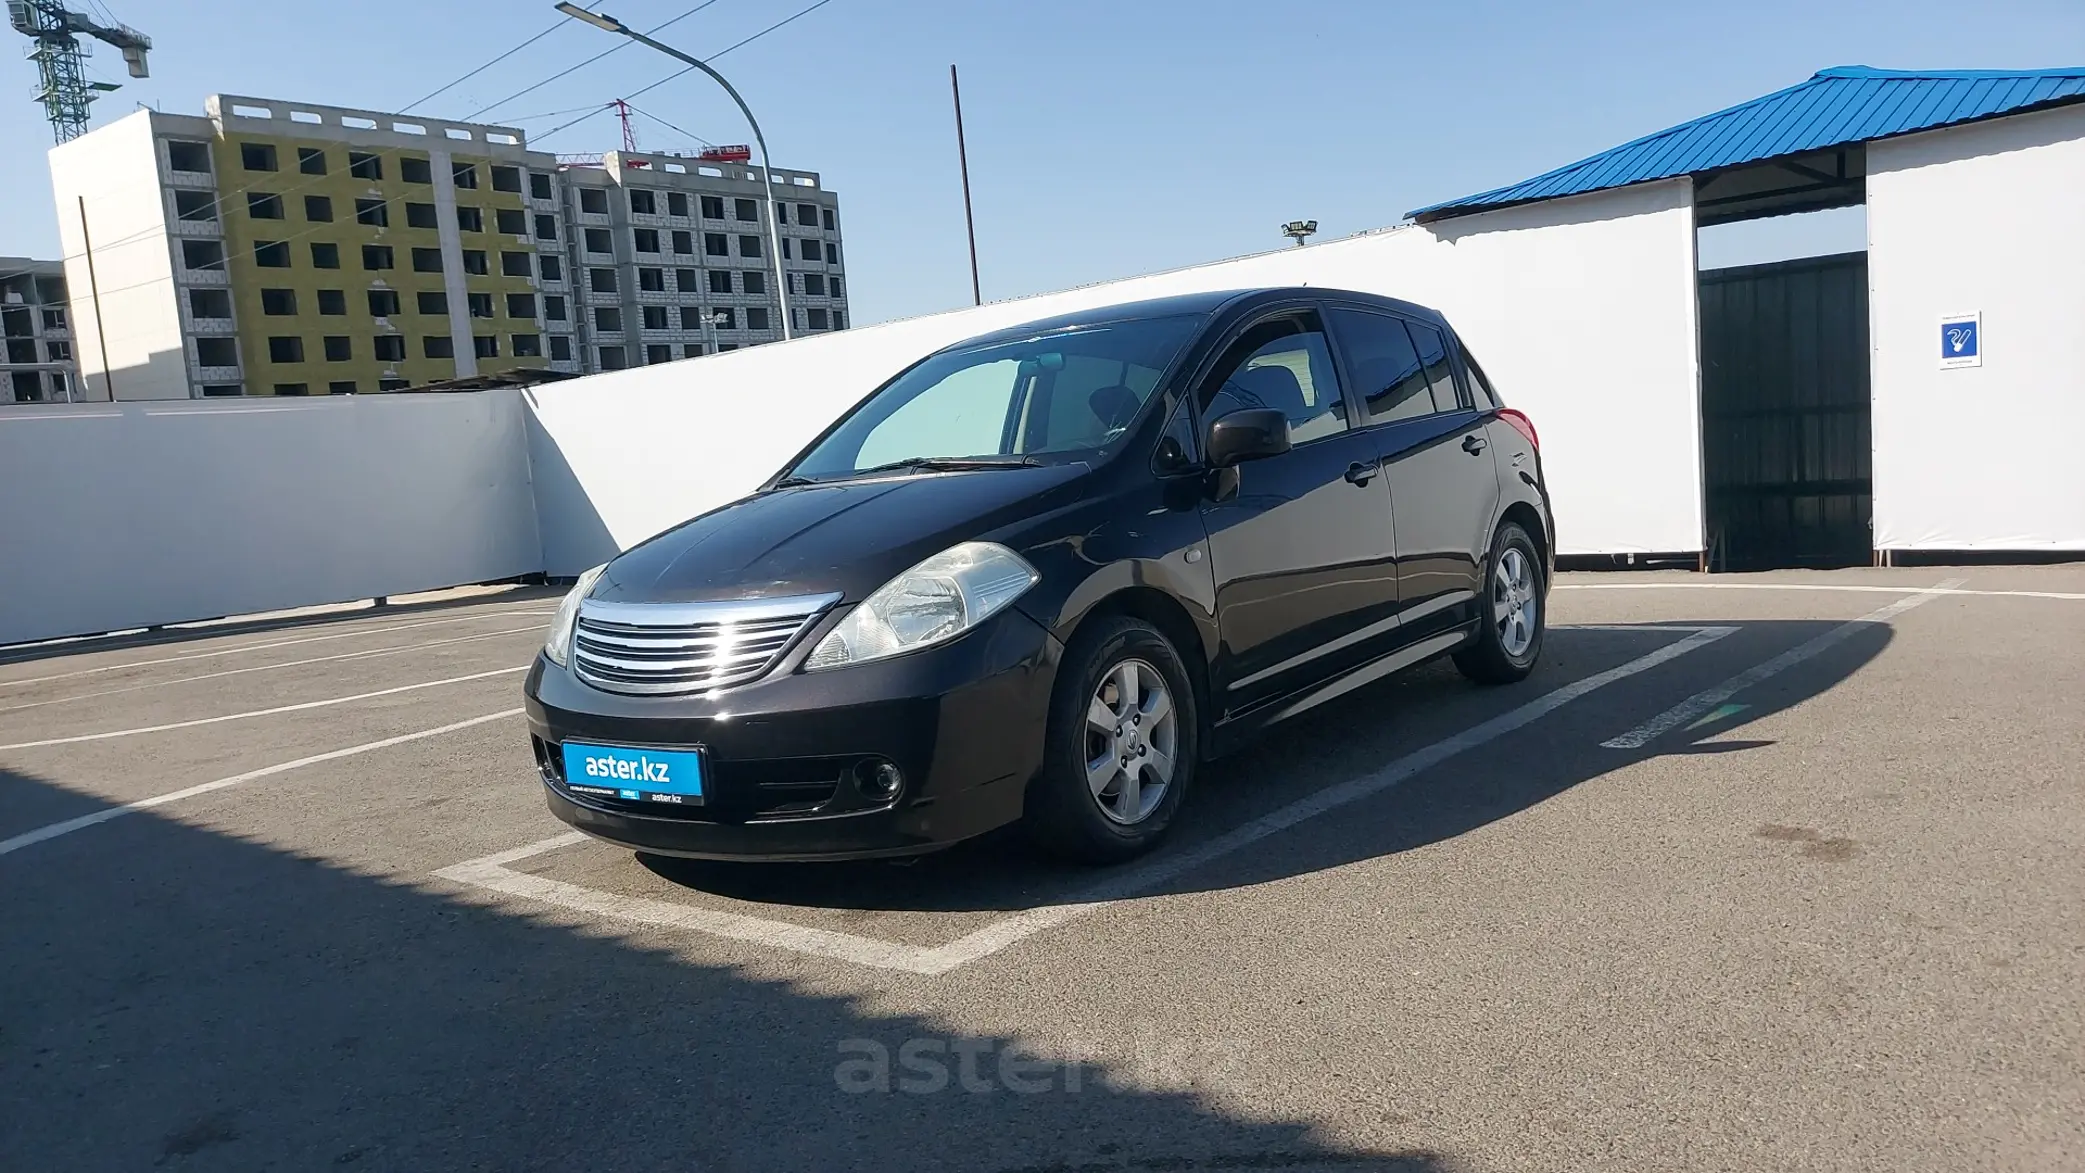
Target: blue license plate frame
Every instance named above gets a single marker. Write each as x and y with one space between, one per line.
668 775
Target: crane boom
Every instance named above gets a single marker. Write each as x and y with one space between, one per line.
63 88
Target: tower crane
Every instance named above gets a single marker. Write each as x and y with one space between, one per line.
63 88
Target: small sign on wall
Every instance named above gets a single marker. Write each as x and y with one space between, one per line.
1962 340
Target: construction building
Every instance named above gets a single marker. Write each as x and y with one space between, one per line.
38 366
670 256
281 248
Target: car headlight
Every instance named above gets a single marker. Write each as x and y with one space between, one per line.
935 601
558 644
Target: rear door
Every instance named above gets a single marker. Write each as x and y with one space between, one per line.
1300 544
1436 457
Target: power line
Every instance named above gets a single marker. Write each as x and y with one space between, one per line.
488 65
740 45
582 65
677 130
602 109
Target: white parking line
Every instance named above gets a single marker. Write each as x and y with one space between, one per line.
297 708
260 647
363 655
1707 699
491 872
68 826
1906 589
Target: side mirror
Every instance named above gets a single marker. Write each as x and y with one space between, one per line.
1251 433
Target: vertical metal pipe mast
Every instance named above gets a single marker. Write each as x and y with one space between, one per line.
977 296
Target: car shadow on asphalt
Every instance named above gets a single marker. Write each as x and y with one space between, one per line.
183 999
1353 736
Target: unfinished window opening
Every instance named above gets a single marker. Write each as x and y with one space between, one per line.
210 303
593 200
264 205
193 158
365 165
195 205
311 160
257 156
415 169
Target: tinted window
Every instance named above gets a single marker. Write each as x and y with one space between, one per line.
1281 364
1071 391
1434 353
1385 366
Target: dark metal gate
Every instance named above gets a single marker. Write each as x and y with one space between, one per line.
1785 413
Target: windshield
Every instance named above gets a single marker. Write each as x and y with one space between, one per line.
1064 393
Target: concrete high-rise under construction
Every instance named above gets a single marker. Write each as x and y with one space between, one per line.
284 248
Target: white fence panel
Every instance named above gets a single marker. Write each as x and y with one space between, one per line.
131 514
1981 219
1582 310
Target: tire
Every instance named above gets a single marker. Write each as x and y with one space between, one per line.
1514 611
1083 805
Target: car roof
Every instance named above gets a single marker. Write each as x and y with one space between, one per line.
1206 303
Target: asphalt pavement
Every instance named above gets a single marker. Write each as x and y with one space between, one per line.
1755 872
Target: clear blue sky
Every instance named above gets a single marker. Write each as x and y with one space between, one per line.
1107 137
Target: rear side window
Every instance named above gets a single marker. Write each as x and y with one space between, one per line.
1385 365
1433 353
1285 364
1480 387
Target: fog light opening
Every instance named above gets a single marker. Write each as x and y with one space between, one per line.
878 780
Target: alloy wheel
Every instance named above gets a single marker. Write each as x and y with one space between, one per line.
1132 742
1513 602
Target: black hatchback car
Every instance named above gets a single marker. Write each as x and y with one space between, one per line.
1042 574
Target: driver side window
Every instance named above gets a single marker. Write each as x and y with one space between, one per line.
1281 363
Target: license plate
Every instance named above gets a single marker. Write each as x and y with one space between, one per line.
634 775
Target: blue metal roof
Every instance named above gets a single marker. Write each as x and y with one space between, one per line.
1835 107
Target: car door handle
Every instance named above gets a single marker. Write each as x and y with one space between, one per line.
1360 474
1474 443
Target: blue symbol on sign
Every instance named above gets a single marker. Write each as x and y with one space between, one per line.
1958 339
632 795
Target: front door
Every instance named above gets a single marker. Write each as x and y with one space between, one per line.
1437 460
1300 544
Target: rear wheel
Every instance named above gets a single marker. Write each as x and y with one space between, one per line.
1513 613
1121 745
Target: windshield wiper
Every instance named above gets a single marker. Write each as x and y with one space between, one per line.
793 482
949 464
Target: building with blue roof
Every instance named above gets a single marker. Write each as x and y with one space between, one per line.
1807 133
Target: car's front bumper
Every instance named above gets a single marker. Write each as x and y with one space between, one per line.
963 722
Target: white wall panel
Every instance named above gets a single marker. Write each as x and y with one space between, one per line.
1582 310
1980 218
132 514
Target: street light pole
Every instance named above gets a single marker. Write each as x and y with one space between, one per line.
602 20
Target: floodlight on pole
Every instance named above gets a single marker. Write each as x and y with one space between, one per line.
1299 230
605 22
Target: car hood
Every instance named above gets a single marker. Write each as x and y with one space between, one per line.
843 537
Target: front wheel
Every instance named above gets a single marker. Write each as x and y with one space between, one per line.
1513 612
1122 745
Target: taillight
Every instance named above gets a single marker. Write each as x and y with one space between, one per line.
1522 424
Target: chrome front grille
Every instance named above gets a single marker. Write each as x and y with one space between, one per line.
671 648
